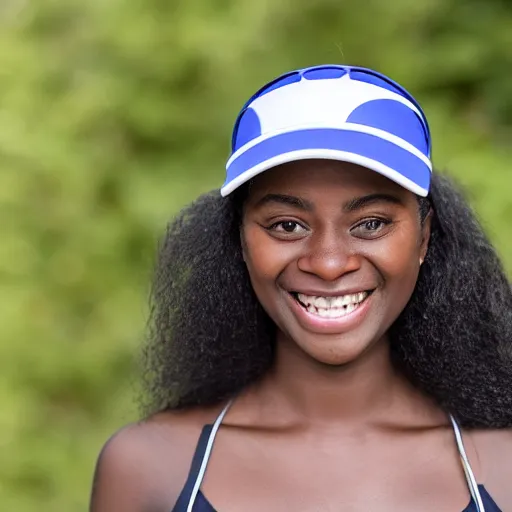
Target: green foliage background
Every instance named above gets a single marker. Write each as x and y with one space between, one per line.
115 113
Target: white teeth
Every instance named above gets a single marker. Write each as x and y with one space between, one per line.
332 312
351 308
332 302
322 302
332 307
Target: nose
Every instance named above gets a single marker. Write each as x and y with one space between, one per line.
329 257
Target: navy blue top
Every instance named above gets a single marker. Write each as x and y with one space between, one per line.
201 504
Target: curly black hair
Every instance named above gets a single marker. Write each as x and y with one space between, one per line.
209 337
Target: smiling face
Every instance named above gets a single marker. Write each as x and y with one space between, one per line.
333 251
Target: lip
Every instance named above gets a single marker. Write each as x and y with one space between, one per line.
314 323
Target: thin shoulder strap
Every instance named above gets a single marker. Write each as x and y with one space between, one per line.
470 477
206 457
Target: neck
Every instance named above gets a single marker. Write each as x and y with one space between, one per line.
359 391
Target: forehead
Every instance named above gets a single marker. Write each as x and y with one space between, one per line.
323 178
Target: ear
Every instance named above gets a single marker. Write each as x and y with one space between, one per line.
425 235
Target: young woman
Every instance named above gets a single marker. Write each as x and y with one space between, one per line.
332 332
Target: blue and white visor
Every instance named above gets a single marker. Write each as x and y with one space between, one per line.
333 112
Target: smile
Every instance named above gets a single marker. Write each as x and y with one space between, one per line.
331 307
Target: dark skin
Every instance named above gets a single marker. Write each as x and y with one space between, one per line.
333 426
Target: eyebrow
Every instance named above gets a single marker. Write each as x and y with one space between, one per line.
294 201
361 202
350 206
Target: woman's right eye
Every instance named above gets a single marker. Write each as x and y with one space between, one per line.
288 227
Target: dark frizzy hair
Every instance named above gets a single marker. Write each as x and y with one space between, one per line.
209 337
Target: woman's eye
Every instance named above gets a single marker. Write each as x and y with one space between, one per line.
370 228
288 227
373 225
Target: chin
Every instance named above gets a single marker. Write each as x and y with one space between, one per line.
337 352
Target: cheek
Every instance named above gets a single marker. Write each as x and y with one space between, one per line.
398 260
265 258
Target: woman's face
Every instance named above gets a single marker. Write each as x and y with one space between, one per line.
333 251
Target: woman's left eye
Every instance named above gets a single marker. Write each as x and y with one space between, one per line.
370 228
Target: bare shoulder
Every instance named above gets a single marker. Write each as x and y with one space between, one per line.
144 465
494 449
